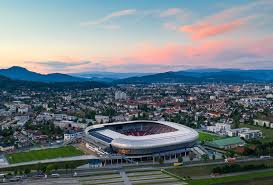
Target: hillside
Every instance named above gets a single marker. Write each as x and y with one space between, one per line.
218 76
19 73
9 84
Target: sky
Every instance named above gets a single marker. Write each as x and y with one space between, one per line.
72 36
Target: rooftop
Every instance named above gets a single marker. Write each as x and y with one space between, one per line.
227 141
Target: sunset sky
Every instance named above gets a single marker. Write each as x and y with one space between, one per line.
135 36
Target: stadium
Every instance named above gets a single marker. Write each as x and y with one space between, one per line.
139 137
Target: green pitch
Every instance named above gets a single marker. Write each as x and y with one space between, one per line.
205 136
50 153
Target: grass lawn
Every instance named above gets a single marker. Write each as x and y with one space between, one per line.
205 136
267 132
50 153
251 178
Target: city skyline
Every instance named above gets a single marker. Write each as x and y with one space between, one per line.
142 36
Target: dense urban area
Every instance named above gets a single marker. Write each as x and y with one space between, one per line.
234 122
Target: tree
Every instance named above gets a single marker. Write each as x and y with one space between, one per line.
191 156
66 166
180 159
27 171
43 169
15 172
72 166
161 160
230 153
213 157
49 168
55 167
205 157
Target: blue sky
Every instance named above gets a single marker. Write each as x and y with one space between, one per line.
115 35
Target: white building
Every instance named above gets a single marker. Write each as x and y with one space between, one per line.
219 128
23 109
267 87
252 134
237 131
120 95
21 120
212 97
102 119
70 124
71 135
263 123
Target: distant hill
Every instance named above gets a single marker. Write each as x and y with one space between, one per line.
9 84
107 76
205 76
19 73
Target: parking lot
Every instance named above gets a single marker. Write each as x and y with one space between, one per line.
121 177
152 177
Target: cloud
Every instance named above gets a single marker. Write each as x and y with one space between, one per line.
238 18
246 53
56 65
240 53
203 30
170 12
109 17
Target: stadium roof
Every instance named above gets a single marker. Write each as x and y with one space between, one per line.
182 135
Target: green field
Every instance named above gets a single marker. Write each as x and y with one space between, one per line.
50 153
205 136
204 170
251 178
267 132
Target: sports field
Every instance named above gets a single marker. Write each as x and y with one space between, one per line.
205 136
50 153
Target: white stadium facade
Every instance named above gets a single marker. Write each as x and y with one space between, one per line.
140 138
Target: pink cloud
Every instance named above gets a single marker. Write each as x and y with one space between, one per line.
203 30
170 12
209 53
239 53
239 18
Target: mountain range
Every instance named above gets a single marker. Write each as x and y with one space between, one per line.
19 73
13 85
204 76
16 74
107 76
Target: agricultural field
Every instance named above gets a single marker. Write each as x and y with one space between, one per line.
50 153
205 136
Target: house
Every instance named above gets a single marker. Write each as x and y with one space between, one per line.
219 128
102 119
21 120
70 124
237 131
251 134
71 135
23 109
265 122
